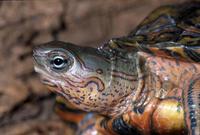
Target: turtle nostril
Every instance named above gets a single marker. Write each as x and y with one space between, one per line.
36 50
38 59
40 50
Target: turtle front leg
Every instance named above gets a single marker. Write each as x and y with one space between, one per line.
191 100
87 125
99 125
93 124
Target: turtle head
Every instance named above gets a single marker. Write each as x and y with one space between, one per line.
82 75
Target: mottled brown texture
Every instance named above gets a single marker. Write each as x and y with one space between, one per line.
25 24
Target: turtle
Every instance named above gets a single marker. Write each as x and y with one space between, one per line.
145 83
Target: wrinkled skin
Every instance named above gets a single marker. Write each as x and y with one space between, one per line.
145 84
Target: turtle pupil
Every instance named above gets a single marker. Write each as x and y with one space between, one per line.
58 61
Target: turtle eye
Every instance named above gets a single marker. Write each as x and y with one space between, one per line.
58 62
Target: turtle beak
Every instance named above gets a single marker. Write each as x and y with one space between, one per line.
39 51
39 57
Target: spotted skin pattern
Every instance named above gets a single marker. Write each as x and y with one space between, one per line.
164 110
147 83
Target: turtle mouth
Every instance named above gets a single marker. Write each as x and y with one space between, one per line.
44 76
48 82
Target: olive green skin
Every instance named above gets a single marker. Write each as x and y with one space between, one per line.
145 83
91 77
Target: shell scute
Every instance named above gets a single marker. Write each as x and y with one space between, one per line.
169 31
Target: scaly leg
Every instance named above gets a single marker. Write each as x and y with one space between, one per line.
99 125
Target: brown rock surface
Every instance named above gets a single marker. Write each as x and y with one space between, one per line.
26 107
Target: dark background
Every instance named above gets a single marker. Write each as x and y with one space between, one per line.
26 106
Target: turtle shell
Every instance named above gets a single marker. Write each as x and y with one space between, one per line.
169 31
